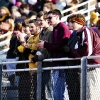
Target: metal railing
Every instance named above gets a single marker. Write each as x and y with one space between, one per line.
87 10
83 68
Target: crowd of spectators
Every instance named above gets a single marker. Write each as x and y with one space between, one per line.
35 25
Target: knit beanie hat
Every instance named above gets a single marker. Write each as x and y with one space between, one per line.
78 20
18 4
19 20
93 17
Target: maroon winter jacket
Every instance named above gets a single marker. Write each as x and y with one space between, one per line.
88 44
61 34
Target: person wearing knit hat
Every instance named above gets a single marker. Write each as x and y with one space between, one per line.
19 20
93 18
75 23
80 19
87 43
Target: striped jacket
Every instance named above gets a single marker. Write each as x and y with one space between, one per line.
88 44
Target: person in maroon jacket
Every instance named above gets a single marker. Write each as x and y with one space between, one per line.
61 34
87 44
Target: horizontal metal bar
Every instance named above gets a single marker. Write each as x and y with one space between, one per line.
15 62
46 68
45 60
19 70
94 65
60 59
79 5
92 57
49 60
52 68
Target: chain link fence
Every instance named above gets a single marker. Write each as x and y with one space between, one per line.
82 82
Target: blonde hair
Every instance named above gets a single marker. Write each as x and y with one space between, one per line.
11 23
7 10
18 26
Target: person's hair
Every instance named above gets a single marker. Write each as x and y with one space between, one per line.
11 23
24 14
24 5
18 26
32 13
55 12
17 14
48 5
69 18
7 10
25 23
33 21
75 2
41 13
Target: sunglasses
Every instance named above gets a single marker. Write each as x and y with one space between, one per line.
49 18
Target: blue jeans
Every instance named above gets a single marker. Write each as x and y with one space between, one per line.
47 85
59 85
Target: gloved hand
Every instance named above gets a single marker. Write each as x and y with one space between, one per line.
33 52
66 49
37 58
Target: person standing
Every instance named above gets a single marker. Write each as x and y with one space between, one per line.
87 44
72 74
30 50
61 34
11 55
46 35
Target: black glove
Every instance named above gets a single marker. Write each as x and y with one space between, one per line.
66 49
33 52
38 58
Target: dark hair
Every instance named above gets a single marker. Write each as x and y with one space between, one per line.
69 18
56 12
25 23
24 5
24 14
41 13
31 13
33 21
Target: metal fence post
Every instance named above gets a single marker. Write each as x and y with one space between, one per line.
0 81
83 77
39 74
39 79
88 13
